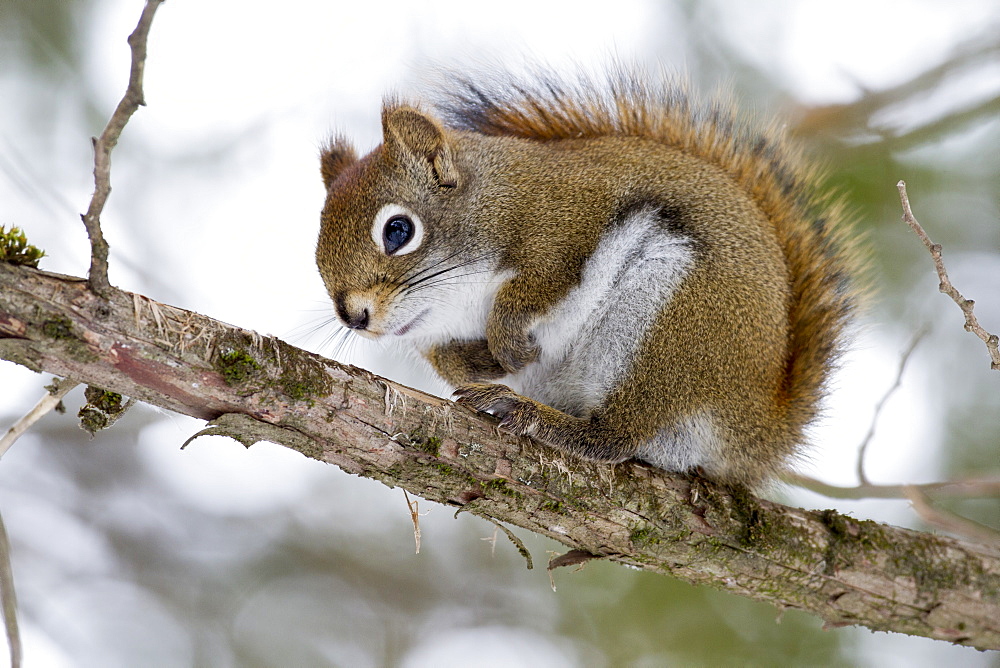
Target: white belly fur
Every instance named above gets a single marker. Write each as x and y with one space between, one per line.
589 340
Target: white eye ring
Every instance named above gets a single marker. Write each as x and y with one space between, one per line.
387 213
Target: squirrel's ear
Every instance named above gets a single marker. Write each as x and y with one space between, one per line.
407 130
337 156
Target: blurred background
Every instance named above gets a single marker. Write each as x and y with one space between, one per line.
128 551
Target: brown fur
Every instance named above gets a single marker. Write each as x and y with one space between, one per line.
750 336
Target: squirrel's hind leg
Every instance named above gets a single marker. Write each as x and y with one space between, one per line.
522 416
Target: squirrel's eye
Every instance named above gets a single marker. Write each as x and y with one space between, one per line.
397 231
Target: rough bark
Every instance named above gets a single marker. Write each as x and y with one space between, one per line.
845 570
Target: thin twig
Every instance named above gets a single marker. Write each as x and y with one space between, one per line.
59 389
103 145
948 521
415 518
973 488
9 602
862 478
492 540
992 341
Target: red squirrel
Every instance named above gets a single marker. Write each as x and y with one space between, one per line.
612 268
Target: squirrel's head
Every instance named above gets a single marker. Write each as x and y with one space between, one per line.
391 240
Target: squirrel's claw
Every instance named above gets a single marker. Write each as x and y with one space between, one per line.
518 415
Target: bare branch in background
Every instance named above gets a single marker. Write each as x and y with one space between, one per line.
971 488
847 119
862 476
59 389
967 305
946 520
8 599
104 144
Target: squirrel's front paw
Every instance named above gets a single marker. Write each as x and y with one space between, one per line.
460 362
518 415
514 352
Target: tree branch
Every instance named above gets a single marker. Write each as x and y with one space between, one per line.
992 341
861 115
969 488
8 600
844 570
51 399
104 144
904 358
942 519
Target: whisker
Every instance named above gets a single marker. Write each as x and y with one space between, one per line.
400 274
341 342
461 265
403 277
463 250
446 280
307 330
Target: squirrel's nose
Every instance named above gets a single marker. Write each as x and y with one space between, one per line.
355 320
359 321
